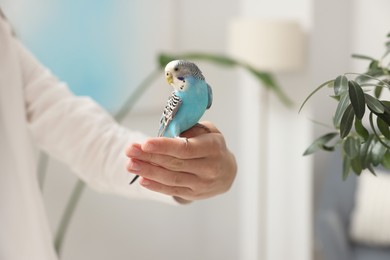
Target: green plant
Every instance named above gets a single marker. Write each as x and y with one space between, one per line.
264 78
362 117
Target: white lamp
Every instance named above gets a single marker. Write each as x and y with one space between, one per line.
270 45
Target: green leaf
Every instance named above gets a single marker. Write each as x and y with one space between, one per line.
375 133
371 74
346 122
319 143
386 115
361 130
383 127
337 98
374 66
365 151
343 104
356 165
346 167
378 91
371 169
374 104
377 153
356 95
386 104
314 91
363 57
375 72
386 160
340 85
164 58
328 148
351 147
270 83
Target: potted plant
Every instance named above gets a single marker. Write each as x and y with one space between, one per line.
362 117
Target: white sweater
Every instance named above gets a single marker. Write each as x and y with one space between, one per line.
38 110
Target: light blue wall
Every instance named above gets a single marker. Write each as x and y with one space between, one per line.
80 41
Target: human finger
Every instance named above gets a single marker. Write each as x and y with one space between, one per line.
169 162
161 174
197 147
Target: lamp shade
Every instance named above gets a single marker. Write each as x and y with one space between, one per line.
271 45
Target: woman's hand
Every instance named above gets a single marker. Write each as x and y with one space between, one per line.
197 166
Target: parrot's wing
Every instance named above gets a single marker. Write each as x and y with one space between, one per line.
173 104
210 96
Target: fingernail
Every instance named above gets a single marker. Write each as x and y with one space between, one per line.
134 151
145 182
134 166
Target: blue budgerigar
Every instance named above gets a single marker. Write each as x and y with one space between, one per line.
188 102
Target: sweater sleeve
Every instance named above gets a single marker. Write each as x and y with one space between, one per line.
77 131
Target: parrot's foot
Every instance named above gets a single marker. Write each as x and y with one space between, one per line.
185 139
203 127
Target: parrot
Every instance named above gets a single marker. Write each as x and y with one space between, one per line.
191 97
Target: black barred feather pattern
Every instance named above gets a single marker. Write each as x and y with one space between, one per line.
192 69
170 110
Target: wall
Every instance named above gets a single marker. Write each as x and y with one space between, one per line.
280 176
369 33
329 54
226 227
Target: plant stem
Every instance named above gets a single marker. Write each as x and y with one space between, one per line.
368 76
313 92
69 210
42 169
135 95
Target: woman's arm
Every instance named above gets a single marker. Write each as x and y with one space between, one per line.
77 131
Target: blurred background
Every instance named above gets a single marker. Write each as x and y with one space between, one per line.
104 49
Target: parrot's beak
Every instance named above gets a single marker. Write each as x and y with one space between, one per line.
169 78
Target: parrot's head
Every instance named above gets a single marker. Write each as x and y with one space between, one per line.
178 71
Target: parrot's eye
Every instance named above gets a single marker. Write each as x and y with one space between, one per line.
176 69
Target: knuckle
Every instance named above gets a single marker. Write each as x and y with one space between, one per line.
201 186
213 172
175 164
218 146
204 186
176 179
